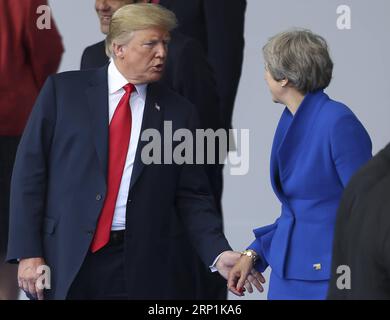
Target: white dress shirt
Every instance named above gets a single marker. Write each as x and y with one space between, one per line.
116 82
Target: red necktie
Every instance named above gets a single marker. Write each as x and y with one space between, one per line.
119 138
156 1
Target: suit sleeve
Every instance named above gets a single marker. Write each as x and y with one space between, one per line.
29 179
262 244
197 209
350 146
43 46
225 48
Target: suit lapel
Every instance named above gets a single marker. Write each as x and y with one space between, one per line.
97 95
280 134
152 119
299 130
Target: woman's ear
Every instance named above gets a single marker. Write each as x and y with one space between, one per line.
283 82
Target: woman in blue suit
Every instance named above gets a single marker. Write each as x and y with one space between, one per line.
318 145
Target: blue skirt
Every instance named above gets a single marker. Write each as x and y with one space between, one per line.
286 289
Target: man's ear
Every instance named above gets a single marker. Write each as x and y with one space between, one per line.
118 50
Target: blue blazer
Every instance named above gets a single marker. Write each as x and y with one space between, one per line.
314 154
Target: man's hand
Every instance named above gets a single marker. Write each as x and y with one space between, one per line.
242 275
28 275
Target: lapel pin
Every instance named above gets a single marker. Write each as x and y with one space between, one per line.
157 107
317 266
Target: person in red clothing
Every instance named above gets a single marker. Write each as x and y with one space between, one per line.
28 55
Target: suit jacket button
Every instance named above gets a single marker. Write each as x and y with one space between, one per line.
129 201
98 197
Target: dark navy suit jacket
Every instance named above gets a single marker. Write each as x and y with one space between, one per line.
314 155
219 26
362 235
59 185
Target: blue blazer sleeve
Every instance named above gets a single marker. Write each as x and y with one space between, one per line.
262 244
350 146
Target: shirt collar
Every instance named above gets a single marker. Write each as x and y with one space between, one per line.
116 81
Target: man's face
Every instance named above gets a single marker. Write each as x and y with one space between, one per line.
106 8
143 59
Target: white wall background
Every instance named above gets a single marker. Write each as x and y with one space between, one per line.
362 64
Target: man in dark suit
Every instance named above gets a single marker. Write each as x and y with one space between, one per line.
84 202
219 26
361 250
187 72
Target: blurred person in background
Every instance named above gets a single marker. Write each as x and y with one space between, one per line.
219 26
361 248
28 55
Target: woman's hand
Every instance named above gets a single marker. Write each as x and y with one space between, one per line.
244 275
226 262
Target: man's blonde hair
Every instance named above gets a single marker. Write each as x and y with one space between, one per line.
135 17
